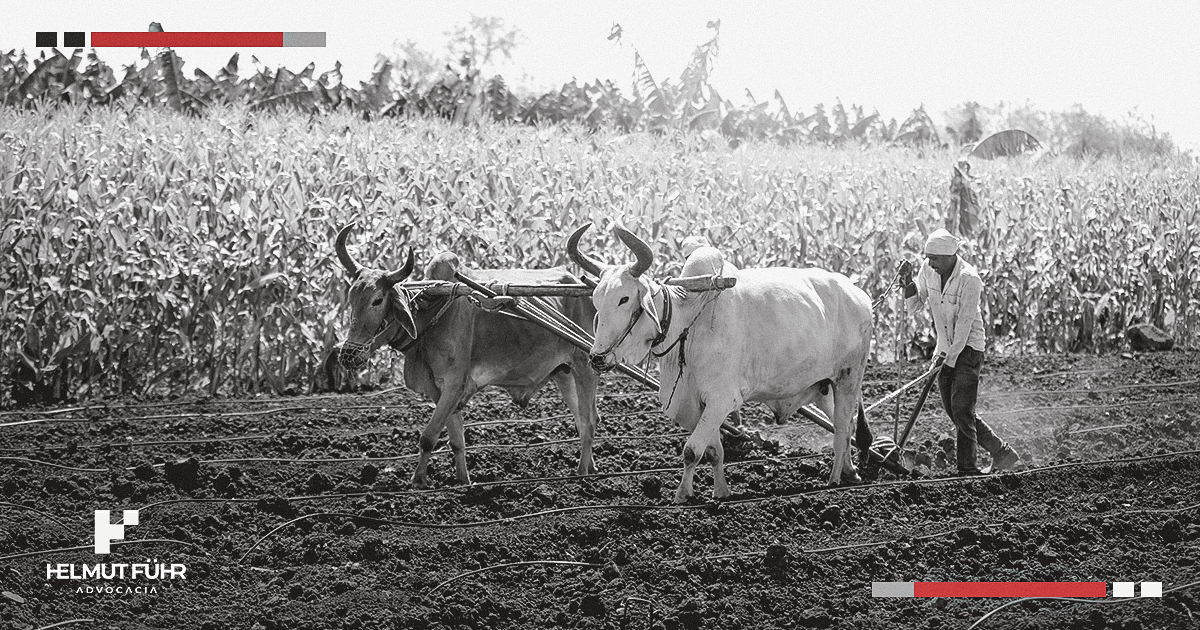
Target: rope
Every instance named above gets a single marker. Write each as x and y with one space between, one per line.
910 385
883 296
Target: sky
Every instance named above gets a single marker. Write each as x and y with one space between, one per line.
887 56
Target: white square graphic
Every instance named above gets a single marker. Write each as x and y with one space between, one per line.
1123 589
1151 589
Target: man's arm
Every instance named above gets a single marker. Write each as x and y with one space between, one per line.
968 310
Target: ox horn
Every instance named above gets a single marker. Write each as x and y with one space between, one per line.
645 257
583 260
343 255
404 272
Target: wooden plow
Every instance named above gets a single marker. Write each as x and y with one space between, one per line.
528 302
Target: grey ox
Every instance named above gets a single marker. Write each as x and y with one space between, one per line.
453 348
785 337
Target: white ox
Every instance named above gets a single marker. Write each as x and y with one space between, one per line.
781 336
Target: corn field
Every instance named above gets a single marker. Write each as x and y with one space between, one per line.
149 253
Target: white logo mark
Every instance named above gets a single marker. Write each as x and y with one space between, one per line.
106 531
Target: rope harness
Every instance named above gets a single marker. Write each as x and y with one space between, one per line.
681 340
432 322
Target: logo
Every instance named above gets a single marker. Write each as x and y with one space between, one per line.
113 578
106 531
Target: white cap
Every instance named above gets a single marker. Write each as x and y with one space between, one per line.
941 243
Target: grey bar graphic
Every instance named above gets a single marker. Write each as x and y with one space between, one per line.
304 40
892 589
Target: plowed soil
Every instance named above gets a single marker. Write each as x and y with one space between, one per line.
296 512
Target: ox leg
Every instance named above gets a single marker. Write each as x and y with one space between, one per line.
447 405
845 413
578 390
706 438
458 444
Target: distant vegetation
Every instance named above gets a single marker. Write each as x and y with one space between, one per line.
415 82
148 252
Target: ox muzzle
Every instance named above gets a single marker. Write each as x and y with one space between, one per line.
601 362
354 356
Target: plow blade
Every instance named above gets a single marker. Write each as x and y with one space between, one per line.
818 418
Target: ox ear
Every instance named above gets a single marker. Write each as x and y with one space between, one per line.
649 307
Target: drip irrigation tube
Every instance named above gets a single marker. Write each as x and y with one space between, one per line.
1123 600
38 512
66 623
506 565
52 464
114 543
644 507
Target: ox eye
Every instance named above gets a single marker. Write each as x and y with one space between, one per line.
623 300
377 301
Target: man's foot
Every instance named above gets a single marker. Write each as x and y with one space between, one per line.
1004 460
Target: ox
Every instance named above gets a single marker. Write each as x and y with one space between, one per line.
452 348
785 337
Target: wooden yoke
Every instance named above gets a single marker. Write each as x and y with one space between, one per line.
439 288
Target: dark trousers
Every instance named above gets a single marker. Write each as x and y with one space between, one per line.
959 386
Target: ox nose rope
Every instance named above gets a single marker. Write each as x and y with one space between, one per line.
363 349
628 329
663 324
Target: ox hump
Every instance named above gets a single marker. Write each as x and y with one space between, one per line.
705 260
443 267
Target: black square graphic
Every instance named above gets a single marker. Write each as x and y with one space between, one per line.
47 40
72 39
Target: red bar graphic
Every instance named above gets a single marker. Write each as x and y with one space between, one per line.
185 40
1010 589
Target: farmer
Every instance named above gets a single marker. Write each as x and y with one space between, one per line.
953 290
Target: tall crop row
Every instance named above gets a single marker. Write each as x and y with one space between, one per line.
150 253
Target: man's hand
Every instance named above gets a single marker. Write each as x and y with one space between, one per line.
906 273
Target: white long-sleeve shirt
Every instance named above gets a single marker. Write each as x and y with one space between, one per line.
956 314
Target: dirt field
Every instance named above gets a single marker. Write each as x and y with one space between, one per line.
785 551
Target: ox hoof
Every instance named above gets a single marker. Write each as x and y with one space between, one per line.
846 480
585 471
681 496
